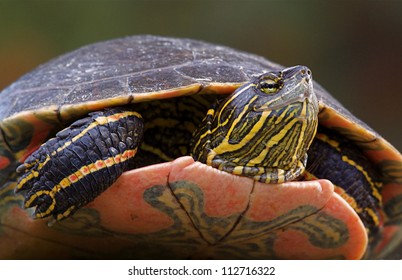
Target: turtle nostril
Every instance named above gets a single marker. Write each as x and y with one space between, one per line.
306 73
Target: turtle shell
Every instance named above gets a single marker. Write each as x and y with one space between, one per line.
179 209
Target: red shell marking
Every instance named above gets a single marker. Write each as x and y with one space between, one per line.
4 162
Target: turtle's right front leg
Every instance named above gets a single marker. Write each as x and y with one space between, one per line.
82 161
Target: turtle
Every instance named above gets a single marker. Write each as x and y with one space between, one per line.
170 148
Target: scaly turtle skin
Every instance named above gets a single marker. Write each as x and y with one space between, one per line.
135 102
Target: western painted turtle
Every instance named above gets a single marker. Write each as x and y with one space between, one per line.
129 112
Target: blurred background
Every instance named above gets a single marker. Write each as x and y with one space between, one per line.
354 48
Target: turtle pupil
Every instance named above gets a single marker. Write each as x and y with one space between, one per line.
269 86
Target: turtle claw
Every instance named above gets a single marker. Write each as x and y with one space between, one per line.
22 168
43 201
40 212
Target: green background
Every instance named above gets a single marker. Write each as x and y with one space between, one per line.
354 48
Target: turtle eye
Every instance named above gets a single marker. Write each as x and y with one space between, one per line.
270 86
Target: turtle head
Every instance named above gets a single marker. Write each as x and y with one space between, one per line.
264 129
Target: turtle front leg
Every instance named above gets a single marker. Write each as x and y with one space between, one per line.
81 162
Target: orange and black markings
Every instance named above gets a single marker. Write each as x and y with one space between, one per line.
82 161
355 179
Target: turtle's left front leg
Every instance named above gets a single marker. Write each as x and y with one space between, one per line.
82 161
